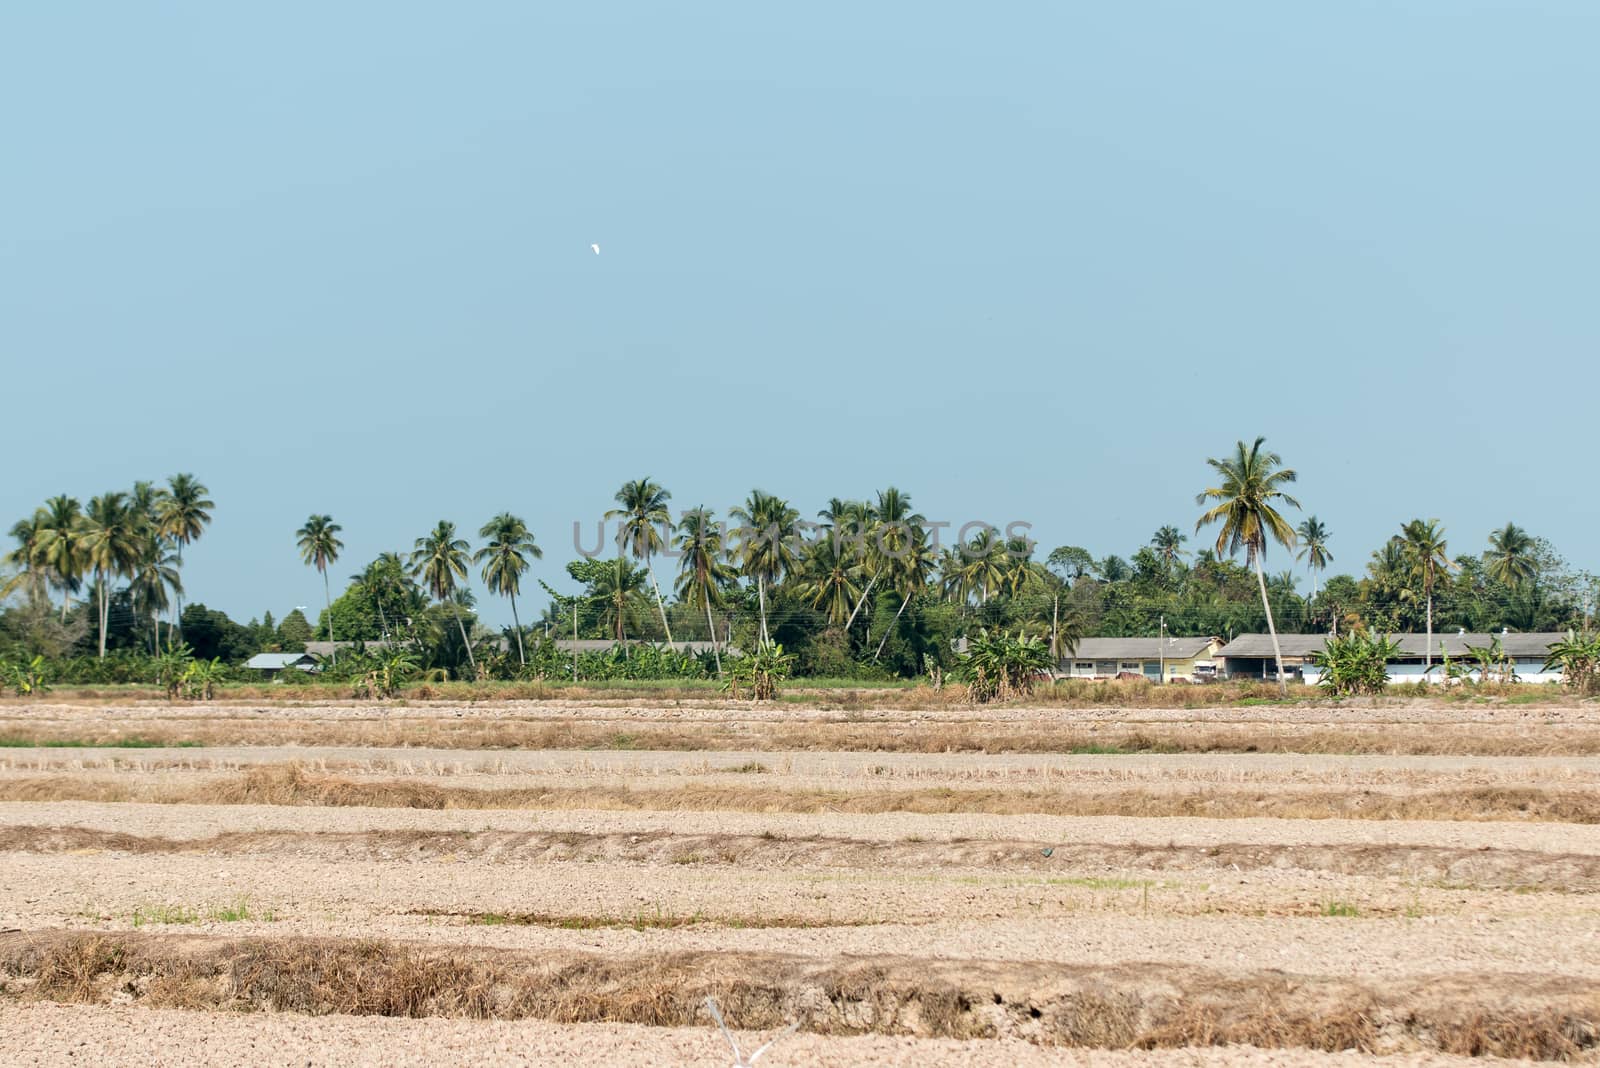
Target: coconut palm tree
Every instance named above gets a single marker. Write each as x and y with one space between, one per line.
27 558
505 561
850 526
911 569
184 514
1247 501
112 538
1422 542
828 580
703 575
1168 544
319 547
767 544
440 560
619 589
61 548
983 567
1510 557
385 580
644 517
154 574
1314 536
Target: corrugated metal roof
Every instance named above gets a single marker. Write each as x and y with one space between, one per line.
1173 648
1531 644
277 661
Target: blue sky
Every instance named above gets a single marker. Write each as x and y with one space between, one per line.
1027 262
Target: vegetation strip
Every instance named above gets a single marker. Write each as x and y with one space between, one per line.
1513 869
1128 1006
897 736
291 785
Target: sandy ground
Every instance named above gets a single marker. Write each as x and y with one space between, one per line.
1372 901
62 1035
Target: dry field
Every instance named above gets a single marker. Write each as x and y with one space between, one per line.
566 881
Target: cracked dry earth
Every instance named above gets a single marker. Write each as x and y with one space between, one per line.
350 884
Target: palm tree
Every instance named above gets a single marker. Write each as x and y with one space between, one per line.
854 523
111 543
505 561
28 558
766 547
155 572
983 567
1247 507
911 569
440 560
319 547
1314 537
619 589
828 580
1168 544
1422 542
384 580
61 548
184 514
644 516
703 575
1511 561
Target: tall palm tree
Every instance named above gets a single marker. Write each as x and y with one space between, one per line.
111 544
1314 536
1168 544
983 567
319 546
505 560
1422 542
888 527
644 517
912 569
767 544
440 560
828 580
154 574
28 558
703 574
619 589
61 546
1510 557
185 512
1248 498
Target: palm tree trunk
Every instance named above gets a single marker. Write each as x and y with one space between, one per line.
522 657
761 598
327 594
472 660
1277 652
660 604
712 627
105 611
1427 656
890 628
859 602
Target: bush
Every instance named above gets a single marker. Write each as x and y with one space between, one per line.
1356 663
758 674
1578 657
998 667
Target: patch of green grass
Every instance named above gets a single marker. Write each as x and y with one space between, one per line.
17 741
1099 750
163 914
1340 908
751 767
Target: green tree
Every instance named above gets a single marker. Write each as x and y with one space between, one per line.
644 518
293 632
766 544
61 546
1314 541
618 589
1423 545
111 545
703 575
319 547
28 559
183 515
1511 557
505 560
440 560
827 580
1247 501
155 573
1168 544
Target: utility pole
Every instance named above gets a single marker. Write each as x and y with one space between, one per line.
574 639
1161 643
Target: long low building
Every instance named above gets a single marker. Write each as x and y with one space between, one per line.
1169 659
1250 656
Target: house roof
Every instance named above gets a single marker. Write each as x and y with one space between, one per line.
278 661
602 645
1171 647
1456 643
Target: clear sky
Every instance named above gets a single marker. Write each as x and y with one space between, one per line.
1030 261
